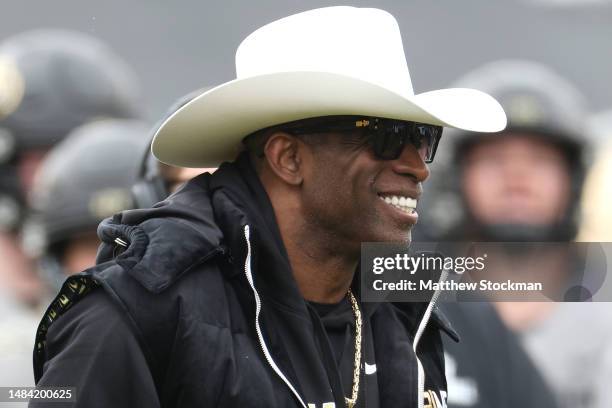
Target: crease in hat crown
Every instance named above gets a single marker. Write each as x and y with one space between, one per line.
328 61
363 43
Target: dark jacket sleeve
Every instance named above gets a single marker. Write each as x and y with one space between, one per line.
92 348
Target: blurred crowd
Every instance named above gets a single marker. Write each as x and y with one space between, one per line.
74 150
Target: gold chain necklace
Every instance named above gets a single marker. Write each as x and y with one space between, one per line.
350 402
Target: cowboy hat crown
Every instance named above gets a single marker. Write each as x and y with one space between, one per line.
322 62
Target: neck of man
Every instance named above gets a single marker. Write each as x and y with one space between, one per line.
322 268
323 263
321 276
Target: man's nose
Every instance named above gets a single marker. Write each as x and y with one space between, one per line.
411 164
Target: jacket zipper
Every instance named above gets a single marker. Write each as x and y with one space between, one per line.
417 337
262 343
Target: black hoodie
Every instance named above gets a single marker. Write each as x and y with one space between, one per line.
204 311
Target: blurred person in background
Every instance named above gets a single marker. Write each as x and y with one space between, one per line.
51 81
82 181
524 185
596 224
157 180
489 367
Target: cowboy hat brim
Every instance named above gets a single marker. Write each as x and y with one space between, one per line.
209 129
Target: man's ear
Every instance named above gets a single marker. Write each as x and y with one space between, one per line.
284 157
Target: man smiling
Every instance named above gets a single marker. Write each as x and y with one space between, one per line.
240 289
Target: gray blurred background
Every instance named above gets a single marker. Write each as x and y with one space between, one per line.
176 47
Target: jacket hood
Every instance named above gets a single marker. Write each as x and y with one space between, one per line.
205 218
164 241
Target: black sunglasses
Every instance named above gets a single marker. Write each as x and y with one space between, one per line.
386 137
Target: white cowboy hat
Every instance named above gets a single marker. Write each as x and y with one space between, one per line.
328 61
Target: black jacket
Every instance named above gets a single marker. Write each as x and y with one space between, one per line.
200 308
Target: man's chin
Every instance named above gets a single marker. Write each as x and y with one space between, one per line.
399 237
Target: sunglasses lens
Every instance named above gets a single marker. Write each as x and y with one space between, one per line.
387 145
425 138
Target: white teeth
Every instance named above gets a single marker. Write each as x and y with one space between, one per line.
405 204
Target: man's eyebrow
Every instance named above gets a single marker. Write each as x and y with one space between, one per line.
353 138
